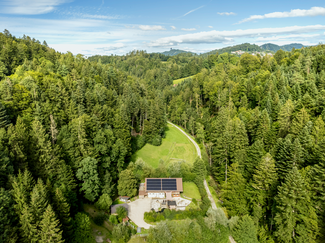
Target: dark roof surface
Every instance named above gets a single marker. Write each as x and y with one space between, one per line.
164 184
171 203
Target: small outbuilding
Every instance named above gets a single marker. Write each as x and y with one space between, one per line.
124 199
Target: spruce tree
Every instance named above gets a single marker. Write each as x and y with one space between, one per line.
254 155
233 192
299 121
295 218
62 209
28 229
50 231
4 119
283 157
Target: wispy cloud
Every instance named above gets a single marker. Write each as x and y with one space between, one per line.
98 16
151 27
226 13
193 10
188 29
173 27
211 27
214 36
31 7
314 11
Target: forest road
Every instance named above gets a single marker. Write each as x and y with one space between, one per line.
213 204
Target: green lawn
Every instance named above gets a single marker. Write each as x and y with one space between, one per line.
191 190
177 81
174 147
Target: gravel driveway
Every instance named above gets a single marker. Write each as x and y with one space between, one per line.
137 209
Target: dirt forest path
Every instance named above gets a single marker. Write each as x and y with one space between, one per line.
213 204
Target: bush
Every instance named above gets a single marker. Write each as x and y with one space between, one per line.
156 141
99 219
121 213
113 219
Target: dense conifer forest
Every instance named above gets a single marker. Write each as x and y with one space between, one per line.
69 125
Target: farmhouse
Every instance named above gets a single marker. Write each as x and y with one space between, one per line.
161 188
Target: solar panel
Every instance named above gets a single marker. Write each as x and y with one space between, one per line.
169 184
161 185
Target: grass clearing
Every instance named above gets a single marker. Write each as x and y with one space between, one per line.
177 81
174 147
103 231
191 190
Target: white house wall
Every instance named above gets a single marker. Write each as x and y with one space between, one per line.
156 194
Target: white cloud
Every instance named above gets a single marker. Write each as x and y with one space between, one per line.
211 27
286 37
227 13
314 11
151 27
173 27
30 7
189 29
98 16
193 10
214 36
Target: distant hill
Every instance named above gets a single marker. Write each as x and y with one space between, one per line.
252 47
275 48
229 49
174 52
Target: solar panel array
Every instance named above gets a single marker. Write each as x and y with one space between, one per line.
161 185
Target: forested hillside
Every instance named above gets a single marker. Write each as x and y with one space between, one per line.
69 125
65 135
262 122
242 47
275 48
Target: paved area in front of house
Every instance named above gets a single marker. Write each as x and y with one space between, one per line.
137 209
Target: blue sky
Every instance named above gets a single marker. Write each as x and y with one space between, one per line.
117 27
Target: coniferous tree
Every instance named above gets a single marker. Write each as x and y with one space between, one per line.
295 219
233 192
50 228
4 119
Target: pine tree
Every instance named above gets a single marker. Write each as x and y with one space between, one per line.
50 228
295 219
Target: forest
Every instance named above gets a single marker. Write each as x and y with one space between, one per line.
70 124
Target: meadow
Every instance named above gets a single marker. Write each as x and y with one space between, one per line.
174 147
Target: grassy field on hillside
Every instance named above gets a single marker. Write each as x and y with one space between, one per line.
174 147
177 81
191 190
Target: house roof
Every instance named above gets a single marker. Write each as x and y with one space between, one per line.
114 207
164 184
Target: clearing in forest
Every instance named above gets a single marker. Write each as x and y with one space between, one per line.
177 81
174 147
